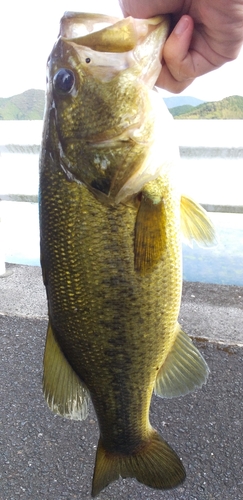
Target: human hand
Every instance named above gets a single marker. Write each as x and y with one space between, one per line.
206 34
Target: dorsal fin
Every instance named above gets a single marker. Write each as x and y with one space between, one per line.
195 223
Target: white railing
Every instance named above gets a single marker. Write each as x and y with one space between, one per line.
2 255
21 198
207 145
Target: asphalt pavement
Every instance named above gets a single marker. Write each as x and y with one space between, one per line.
45 457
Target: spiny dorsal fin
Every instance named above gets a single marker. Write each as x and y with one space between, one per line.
64 392
150 234
183 371
195 223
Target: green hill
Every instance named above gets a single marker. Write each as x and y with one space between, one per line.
181 110
30 106
230 108
26 106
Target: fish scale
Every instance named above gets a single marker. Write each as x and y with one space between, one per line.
85 283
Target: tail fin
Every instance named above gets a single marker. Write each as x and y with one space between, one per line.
155 464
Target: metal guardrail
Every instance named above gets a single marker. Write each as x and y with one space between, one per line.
225 147
29 198
34 199
24 198
226 209
185 151
211 152
11 197
20 148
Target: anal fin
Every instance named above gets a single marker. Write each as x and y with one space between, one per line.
64 392
183 371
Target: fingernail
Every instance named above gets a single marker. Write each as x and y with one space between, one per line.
181 26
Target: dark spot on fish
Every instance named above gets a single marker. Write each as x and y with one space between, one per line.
115 341
64 81
102 185
87 60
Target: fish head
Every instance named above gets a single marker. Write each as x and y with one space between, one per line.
100 75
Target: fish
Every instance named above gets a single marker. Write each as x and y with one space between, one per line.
111 217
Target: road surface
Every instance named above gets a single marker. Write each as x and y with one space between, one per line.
45 457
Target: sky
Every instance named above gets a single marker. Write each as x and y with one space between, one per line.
29 30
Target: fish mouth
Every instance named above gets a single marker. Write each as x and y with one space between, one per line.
78 24
115 44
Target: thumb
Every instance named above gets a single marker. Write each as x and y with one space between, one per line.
177 69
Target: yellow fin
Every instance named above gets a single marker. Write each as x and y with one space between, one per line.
155 464
183 371
64 392
195 223
150 234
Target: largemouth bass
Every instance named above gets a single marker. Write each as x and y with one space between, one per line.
110 234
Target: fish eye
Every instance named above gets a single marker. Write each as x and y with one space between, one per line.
64 80
87 60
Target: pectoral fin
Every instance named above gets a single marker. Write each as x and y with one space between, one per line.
195 223
150 234
183 371
63 390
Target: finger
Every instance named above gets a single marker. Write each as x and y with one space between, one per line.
177 69
167 82
187 55
144 9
